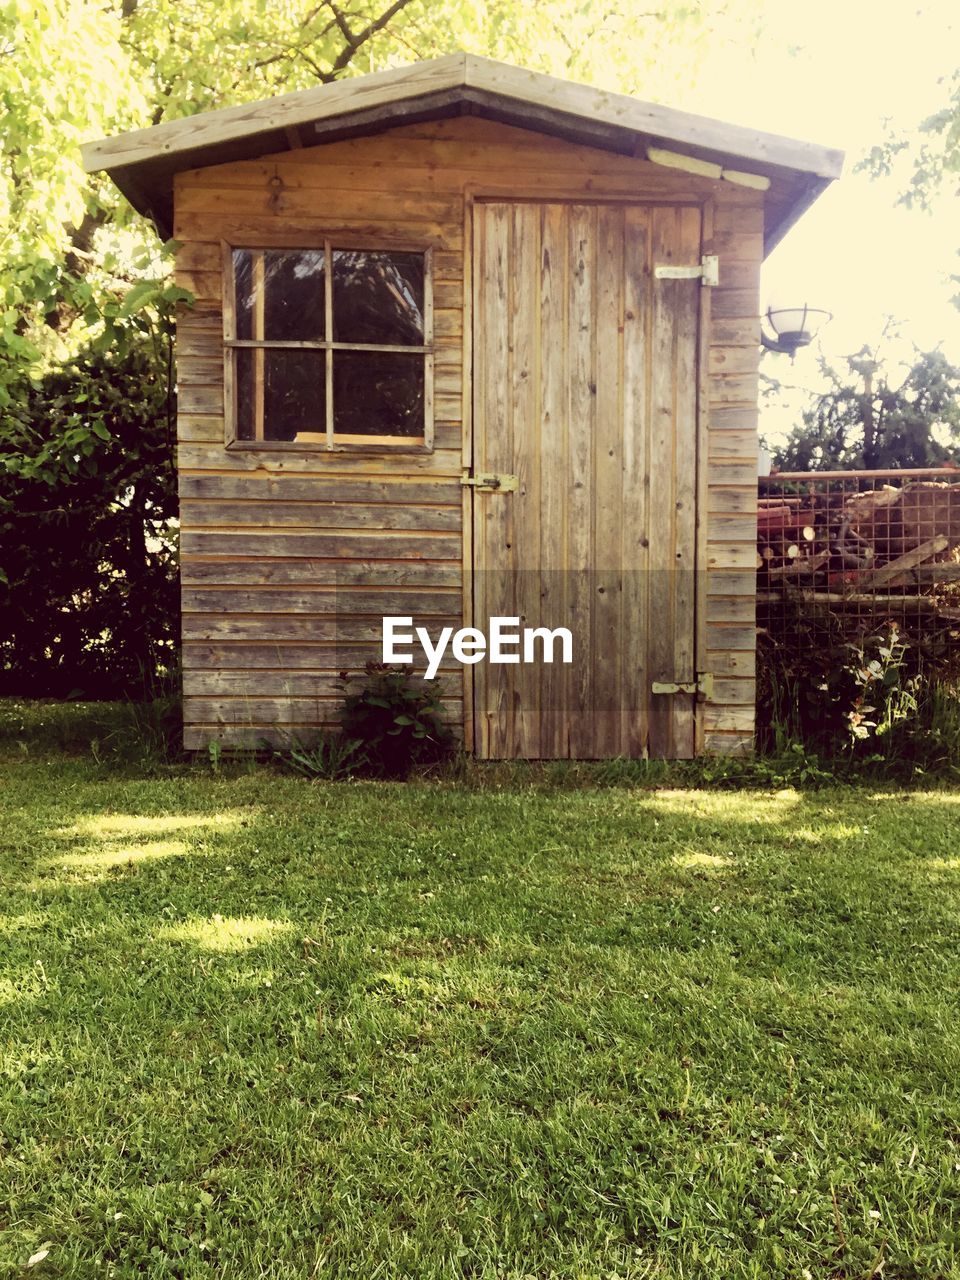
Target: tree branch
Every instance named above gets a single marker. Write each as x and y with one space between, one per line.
356 42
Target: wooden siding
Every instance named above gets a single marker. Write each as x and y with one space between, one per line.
273 541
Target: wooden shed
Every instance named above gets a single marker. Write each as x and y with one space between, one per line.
470 341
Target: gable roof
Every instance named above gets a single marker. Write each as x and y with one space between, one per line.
143 162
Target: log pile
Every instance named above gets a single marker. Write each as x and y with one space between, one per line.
891 550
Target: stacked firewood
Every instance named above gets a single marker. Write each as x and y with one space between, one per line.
895 548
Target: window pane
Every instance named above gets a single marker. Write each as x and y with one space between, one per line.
279 294
378 297
290 385
377 393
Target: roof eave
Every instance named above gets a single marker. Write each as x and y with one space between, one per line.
143 162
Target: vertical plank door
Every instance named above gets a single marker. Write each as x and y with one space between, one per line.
585 390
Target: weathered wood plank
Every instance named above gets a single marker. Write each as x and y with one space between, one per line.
205 428
254 711
259 570
378 544
721 498
686 426
263 487
382 602
730 638
581 388
318 683
735 304
636 483
731 555
280 658
731 662
728 526
263 201
554 428
608 640
279 628
736 719
734 359
239 228
494 452
721 743
210 513
731 609
733 387
732 472
204 457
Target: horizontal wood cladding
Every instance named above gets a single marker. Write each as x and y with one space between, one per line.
273 542
238 659
299 683
365 544
336 601
229 570
273 515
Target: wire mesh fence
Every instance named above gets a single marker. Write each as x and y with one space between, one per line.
841 555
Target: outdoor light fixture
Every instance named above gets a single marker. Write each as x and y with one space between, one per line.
793 327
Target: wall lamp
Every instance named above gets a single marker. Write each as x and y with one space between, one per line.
793 328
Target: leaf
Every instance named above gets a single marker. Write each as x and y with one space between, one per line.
140 295
38 1257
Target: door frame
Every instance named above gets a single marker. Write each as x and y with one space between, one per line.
475 194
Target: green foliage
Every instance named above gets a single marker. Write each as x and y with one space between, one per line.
145 735
88 566
929 167
885 690
332 758
876 706
868 420
394 720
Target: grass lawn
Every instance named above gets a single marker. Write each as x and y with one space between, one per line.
257 1028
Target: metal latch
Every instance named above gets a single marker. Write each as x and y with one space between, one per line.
702 687
708 272
490 482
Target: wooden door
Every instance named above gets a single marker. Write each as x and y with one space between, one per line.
585 389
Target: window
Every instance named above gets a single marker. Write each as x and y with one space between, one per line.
330 346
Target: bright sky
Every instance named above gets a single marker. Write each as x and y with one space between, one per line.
835 71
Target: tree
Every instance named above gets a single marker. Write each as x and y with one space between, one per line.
870 420
932 165
88 574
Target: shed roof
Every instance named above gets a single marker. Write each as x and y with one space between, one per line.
143 162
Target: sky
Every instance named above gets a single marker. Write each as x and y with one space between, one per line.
842 72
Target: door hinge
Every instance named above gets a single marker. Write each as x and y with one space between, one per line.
491 482
708 272
702 687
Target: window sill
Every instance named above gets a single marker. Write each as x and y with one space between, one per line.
293 446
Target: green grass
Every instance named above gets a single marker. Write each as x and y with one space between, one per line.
253 1027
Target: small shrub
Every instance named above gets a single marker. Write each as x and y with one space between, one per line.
872 706
884 689
396 721
333 758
